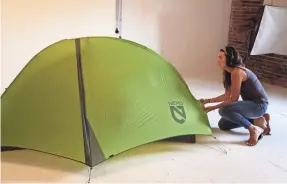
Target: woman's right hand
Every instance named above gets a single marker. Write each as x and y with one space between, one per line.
204 101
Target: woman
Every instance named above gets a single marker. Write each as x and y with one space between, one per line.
249 113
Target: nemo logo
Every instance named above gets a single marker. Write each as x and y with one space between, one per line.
177 111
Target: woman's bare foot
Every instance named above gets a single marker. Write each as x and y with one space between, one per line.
268 129
256 133
263 122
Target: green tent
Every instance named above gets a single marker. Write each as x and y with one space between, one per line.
90 98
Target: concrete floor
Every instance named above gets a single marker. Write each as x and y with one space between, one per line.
206 161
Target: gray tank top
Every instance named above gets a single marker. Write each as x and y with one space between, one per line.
252 89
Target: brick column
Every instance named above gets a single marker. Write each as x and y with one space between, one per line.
270 68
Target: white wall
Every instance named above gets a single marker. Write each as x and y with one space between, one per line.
1 68
28 26
188 33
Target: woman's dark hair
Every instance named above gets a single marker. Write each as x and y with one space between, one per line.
233 59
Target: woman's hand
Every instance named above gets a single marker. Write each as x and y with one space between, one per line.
208 109
204 101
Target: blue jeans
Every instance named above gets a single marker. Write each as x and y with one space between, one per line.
240 114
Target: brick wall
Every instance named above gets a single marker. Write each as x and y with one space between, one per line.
270 68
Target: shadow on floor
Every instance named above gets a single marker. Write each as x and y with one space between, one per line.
238 131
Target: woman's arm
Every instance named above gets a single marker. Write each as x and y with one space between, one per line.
220 98
236 79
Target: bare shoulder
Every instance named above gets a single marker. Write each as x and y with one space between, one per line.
238 73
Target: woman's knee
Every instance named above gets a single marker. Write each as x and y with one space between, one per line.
223 111
226 125
222 126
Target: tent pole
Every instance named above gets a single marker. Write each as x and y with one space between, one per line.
86 133
119 18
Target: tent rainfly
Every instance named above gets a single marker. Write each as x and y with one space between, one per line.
90 98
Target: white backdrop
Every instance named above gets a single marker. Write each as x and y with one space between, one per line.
272 34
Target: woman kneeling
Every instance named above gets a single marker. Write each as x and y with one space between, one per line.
249 113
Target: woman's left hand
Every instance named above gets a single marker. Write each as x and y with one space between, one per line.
208 109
